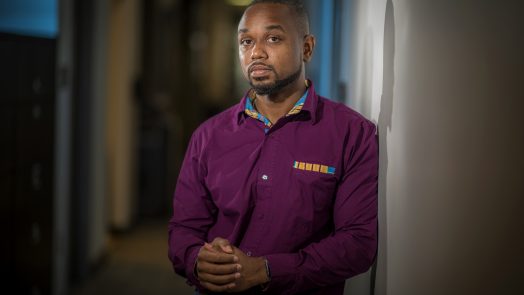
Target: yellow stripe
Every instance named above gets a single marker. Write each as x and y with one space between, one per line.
311 167
295 110
252 114
323 169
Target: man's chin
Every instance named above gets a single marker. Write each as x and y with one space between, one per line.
265 83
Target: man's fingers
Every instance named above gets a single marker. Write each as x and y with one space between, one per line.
218 279
222 244
217 269
216 266
209 247
226 249
217 288
217 257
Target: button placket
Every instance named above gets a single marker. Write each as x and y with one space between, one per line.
266 167
264 190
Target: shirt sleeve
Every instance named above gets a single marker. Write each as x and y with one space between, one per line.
193 214
351 248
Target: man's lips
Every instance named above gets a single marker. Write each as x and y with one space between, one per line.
259 70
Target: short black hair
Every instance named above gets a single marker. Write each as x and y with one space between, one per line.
297 6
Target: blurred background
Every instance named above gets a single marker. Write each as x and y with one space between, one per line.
99 98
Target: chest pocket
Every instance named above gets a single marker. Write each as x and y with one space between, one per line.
317 188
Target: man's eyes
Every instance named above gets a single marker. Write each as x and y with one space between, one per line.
271 39
246 42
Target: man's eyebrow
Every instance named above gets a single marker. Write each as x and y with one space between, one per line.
269 28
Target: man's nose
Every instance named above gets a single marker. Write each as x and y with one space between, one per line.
258 51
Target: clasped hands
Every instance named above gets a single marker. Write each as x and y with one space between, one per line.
221 267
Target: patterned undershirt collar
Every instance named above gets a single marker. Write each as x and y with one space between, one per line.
251 111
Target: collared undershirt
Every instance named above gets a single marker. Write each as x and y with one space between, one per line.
252 111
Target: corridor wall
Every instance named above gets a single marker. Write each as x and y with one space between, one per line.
443 80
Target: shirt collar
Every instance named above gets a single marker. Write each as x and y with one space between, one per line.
251 110
309 99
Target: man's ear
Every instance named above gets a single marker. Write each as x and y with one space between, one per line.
309 46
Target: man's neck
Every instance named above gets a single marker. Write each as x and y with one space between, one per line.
277 105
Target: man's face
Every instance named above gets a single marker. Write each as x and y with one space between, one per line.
270 47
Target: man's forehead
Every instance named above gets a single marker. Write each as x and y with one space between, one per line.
270 16
269 27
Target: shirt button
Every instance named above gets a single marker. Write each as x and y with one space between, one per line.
248 253
265 177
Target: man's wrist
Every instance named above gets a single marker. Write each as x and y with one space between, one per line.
195 270
267 278
260 276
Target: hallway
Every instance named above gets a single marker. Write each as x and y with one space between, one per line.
99 99
137 264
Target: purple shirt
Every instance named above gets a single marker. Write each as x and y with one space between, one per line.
303 195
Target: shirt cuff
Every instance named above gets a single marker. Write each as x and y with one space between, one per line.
284 272
192 279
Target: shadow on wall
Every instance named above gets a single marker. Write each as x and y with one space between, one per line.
385 126
366 66
454 160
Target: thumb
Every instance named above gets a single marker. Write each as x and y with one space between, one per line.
223 245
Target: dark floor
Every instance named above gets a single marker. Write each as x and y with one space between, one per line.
137 264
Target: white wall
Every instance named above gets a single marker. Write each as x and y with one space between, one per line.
364 28
122 68
443 79
363 50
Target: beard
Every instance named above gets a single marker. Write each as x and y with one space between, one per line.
276 86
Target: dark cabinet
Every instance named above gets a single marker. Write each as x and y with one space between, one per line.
27 124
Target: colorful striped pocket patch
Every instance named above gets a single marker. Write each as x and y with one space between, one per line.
314 167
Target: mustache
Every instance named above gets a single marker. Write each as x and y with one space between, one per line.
259 66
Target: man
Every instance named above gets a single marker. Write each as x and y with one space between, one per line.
277 194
